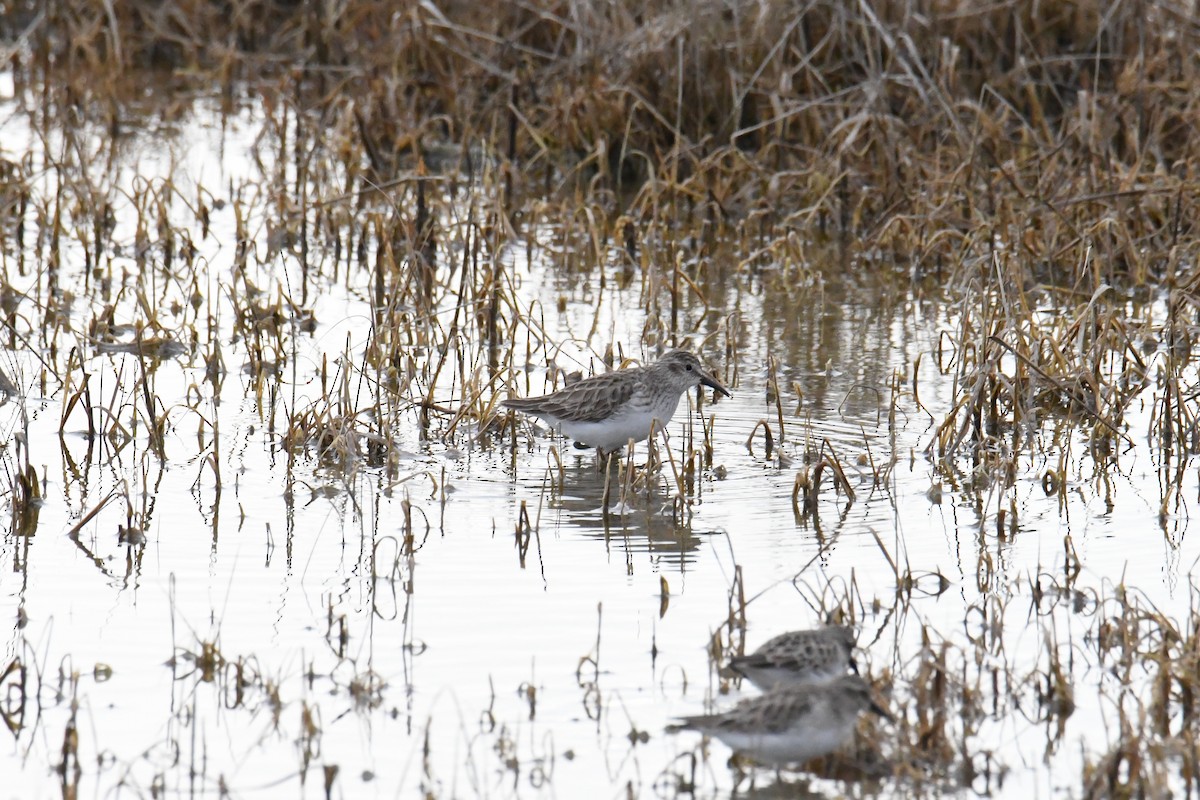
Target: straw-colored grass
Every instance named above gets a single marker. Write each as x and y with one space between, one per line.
1030 165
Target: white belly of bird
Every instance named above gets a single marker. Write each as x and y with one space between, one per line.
630 422
796 745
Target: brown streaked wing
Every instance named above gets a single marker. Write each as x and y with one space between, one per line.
794 661
589 400
769 713
780 651
753 661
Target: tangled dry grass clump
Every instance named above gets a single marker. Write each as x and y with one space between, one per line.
922 130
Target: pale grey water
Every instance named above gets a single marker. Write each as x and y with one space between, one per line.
463 671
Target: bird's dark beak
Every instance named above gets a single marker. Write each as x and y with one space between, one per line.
881 711
712 383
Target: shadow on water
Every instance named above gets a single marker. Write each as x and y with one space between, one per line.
631 522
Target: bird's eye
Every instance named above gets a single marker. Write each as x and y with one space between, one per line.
689 367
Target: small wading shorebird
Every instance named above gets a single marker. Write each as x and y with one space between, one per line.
791 724
799 657
606 411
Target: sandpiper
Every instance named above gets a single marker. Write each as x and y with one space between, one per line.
606 411
799 657
791 724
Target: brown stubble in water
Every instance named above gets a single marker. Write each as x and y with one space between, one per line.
1044 199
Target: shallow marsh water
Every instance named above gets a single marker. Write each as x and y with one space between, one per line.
262 632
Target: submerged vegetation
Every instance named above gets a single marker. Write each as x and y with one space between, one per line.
324 241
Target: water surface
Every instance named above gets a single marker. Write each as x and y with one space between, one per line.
276 621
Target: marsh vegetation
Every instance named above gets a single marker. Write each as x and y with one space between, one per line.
268 269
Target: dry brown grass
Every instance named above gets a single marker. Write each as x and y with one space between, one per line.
1032 164
911 122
